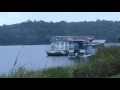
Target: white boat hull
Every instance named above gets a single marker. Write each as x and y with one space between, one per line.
56 52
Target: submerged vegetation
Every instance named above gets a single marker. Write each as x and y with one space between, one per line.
106 63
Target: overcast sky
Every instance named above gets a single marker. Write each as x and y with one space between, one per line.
9 18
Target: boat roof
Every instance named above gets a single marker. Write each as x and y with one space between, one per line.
76 40
99 41
72 38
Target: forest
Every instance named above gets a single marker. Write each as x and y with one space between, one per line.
39 32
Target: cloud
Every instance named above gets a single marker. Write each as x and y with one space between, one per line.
18 17
9 17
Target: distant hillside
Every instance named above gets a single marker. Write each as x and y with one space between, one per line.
39 32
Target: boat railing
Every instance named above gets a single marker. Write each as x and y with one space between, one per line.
50 47
72 47
70 38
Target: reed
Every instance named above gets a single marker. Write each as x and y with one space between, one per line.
15 63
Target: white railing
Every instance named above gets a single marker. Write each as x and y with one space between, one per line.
67 47
50 47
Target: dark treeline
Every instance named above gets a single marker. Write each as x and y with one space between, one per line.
39 32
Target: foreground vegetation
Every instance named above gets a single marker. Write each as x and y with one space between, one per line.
106 63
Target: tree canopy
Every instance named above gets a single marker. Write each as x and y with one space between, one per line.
39 32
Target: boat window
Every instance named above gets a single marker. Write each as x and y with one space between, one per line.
94 47
76 43
72 43
76 47
52 43
66 43
84 47
80 45
57 43
71 48
62 43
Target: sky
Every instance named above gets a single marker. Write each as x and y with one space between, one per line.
9 18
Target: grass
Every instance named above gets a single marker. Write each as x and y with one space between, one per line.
59 72
55 72
115 76
106 63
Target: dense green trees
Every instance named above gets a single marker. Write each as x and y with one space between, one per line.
39 32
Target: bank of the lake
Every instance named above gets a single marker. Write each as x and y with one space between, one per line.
106 63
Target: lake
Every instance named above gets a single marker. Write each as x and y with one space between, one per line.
31 56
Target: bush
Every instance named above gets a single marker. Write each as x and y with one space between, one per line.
106 62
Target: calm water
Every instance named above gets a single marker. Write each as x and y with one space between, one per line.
33 56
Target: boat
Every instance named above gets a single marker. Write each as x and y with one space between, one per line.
74 46
58 46
84 47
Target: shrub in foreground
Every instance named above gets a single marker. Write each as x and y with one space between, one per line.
105 63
